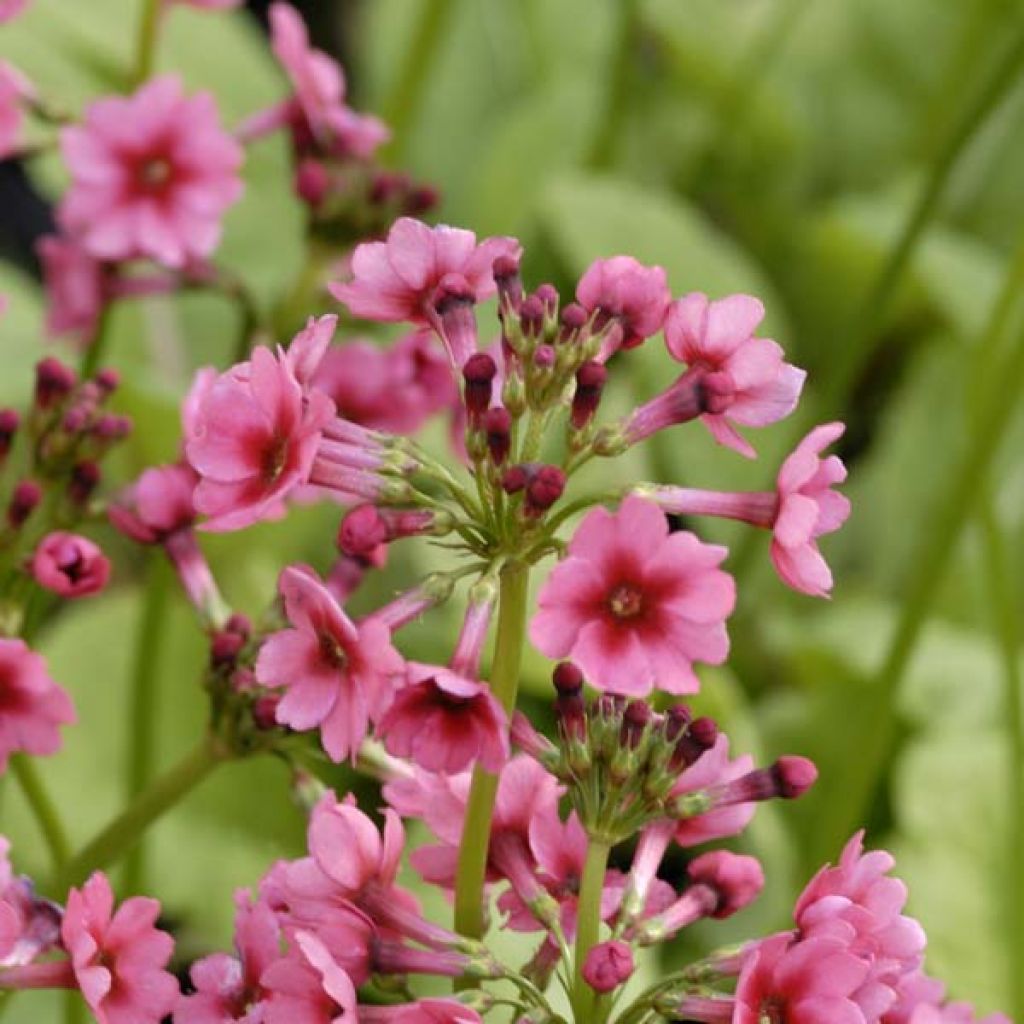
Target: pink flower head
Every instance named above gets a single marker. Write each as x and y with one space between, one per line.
15 92
228 988
807 509
394 389
634 296
119 957
308 987
158 505
69 565
29 926
411 275
32 705
751 382
74 288
800 983
254 440
337 675
445 722
151 176
10 9
319 86
858 895
634 606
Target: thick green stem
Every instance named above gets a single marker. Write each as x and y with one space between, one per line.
43 808
114 841
476 830
1006 621
997 400
142 728
588 926
149 30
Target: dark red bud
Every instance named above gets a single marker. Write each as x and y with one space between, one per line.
85 478
546 487
240 624
111 428
531 315
634 721
108 380
677 718
225 648
54 381
312 182
572 318
421 199
506 277
567 677
548 295
514 479
590 381
26 496
264 711
478 372
497 424
793 776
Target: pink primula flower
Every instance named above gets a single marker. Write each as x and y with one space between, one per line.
634 296
319 85
423 1011
253 440
753 384
119 958
308 987
32 705
634 606
337 674
152 175
69 565
445 722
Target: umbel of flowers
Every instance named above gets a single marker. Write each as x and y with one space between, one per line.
523 824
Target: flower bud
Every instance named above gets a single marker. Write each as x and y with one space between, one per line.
497 424
108 380
69 565
572 319
9 423
590 381
26 496
514 479
54 381
608 965
361 531
634 722
544 357
568 679
793 776
735 879
478 372
510 285
312 182
225 648
546 487
85 478
531 315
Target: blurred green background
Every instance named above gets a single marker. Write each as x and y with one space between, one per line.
859 165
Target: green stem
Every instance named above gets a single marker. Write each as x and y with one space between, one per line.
142 729
97 345
508 657
400 105
117 838
149 30
609 123
997 402
1006 621
43 808
588 927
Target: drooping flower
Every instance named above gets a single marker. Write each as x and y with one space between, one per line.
69 565
15 92
425 275
445 722
751 382
254 438
634 296
318 82
32 705
228 988
152 175
75 290
337 674
119 957
634 606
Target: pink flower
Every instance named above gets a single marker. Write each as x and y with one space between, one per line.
634 606
807 509
228 988
32 705
752 384
158 505
15 92
151 176
423 1011
308 987
445 722
74 288
29 926
69 565
254 440
858 896
920 1000
800 982
394 389
634 296
319 85
10 9
419 269
119 957
337 674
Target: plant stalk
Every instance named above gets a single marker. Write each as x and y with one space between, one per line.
588 926
43 809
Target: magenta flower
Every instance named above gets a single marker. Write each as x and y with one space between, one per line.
75 289
319 87
69 565
921 1000
423 1011
157 505
337 674
800 983
445 722
228 988
412 275
32 705
308 987
29 926
254 439
15 92
751 383
119 958
152 175
634 296
634 606
395 388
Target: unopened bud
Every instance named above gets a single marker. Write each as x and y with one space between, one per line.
546 487
531 315
85 478
514 479
9 423
568 678
590 382
497 424
312 182
506 277
225 648
544 357
26 496
608 965
572 318
478 372
54 381
108 380
634 722
793 776
361 531
264 711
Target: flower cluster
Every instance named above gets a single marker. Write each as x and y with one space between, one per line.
567 836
